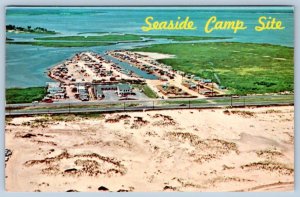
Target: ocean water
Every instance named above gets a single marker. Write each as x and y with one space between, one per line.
26 65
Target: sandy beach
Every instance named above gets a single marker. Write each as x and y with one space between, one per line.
238 149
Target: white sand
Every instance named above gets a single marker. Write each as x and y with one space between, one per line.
183 150
156 56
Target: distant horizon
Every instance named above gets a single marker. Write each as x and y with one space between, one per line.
204 8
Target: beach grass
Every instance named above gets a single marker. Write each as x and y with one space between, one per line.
146 90
243 68
24 95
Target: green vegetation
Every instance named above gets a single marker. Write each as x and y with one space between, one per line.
278 99
74 107
146 90
184 38
128 37
95 32
24 95
185 102
132 105
241 67
104 38
80 41
63 44
28 29
257 99
98 32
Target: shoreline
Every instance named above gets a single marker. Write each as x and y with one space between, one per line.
27 32
259 86
139 60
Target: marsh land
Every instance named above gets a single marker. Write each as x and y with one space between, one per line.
244 68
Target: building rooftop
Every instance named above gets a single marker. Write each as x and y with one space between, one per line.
99 89
122 87
53 84
106 86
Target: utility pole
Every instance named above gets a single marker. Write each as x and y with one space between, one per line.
231 100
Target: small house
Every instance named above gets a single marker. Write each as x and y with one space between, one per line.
98 92
197 78
207 80
124 89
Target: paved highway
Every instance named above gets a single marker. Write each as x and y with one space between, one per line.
141 105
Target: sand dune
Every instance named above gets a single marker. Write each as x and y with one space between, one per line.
247 149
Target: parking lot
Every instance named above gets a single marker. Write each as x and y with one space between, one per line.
111 95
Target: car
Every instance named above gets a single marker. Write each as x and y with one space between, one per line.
47 100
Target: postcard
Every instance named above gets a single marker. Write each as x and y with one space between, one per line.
149 99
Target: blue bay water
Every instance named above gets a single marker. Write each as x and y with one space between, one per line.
26 65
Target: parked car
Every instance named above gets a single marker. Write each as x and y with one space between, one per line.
47 100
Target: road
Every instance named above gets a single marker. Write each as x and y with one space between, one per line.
141 105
